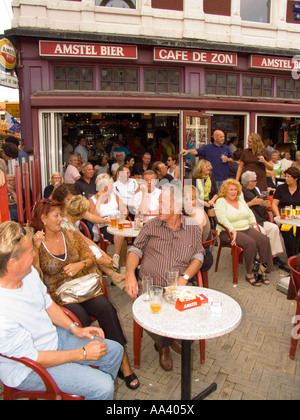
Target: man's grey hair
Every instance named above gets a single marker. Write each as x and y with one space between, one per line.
247 177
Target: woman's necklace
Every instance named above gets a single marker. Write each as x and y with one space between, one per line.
58 235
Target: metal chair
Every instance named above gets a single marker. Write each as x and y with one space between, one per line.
295 279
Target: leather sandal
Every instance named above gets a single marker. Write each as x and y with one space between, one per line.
265 280
129 379
253 281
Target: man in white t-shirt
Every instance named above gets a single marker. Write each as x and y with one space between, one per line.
125 187
33 326
146 199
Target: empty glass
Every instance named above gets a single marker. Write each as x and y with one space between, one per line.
172 277
147 282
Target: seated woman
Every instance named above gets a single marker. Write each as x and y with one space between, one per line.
106 203
194 208
75 211
62 255
55 181
173 166
288 194
206 186
232 212
259 206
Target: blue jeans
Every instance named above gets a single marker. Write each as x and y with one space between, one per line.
80 378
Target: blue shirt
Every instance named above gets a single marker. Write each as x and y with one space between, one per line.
213 153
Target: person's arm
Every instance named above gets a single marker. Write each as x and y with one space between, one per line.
185 152
2 178
191 271
275 207
131 284
239 171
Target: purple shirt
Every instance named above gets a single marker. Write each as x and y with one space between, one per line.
213 153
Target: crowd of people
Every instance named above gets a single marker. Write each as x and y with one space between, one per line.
230 189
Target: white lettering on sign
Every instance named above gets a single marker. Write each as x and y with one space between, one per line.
72 49
197 57
276 63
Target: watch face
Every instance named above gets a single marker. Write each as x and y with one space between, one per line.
186 277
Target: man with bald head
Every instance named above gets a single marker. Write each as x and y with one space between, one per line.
217 153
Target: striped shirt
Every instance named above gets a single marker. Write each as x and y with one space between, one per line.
160 248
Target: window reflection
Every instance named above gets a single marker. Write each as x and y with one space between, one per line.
256 10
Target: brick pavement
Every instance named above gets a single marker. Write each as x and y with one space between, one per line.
250 363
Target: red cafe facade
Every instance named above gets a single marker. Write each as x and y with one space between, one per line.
132 86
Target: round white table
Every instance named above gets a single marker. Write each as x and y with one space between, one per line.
193 324
126 231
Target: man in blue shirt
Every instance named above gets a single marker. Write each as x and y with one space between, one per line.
217 153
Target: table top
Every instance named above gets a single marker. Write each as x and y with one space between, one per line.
127 231
192 324
291 222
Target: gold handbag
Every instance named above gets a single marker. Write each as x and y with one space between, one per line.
80 289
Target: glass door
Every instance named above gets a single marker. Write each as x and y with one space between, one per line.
196 133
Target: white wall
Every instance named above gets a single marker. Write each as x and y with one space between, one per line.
191 24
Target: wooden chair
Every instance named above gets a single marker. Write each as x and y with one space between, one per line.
138 333
236 252
295 278
52 391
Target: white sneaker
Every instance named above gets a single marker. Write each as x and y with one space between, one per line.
116 260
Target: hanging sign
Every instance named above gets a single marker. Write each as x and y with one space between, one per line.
8 55
75 49
195 56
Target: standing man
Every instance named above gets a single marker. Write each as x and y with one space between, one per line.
217 153
169 240
82 149
32 325
86 184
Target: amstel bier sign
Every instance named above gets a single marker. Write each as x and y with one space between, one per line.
8 55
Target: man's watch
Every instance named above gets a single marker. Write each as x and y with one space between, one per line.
185 276
74 324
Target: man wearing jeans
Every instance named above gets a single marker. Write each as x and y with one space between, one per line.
33 326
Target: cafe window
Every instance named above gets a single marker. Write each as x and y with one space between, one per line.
73 78
221 84
288 88
118 79
256 10
257 86
124 4
162 81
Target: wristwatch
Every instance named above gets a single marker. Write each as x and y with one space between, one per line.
74 324
185 276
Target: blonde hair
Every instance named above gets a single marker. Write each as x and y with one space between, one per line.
11 234
224 188
77 206
257 144
199 168
102 180
55 174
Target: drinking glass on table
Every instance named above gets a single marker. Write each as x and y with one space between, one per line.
172 277
113 220
288 212
156 296
147 282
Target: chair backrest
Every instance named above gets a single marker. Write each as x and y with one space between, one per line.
211 242
295 275
84 229
225 228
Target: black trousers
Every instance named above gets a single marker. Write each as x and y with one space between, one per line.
100 308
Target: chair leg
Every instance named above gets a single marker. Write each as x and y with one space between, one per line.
205 279
202 351
294 339
235 264
137 338
218 257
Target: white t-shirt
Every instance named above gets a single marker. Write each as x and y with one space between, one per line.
126 190
153 202
25 327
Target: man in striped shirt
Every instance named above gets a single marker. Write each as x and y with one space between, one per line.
170 240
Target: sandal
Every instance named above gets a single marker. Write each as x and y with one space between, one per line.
129 379
265 280
253 281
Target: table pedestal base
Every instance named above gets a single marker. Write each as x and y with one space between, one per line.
186 375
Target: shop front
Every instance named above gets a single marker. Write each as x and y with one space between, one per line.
122 91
